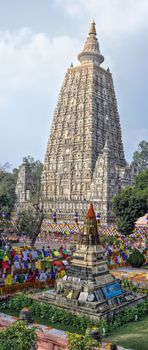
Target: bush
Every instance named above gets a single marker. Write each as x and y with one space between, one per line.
18 336
77 322
136 259
19 302
81 342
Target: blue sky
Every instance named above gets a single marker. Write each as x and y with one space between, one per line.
38 41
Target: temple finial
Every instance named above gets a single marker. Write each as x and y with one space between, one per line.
91 51
93 28
90 212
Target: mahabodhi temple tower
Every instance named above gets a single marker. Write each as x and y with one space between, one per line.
85 160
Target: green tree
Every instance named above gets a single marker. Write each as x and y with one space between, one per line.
136 259
131 203
18 337
7 191
36 168
141 182
140 157
29 221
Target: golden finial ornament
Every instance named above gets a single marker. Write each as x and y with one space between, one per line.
93 28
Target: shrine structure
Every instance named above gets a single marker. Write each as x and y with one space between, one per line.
90 288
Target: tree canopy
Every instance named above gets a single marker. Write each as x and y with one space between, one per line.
7 191
136 258
140 157
36 169
29 221
17 337
131 203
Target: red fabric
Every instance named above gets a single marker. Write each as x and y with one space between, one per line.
58 263
32 278
5 265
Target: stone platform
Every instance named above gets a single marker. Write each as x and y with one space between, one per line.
84 308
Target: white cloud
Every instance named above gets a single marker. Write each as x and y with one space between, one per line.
32 67
113 17
32 61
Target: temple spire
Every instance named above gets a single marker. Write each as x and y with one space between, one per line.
90 212
90 235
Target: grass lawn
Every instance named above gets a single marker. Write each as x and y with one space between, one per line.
133 335
145 267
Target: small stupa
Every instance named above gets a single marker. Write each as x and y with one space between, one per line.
90 288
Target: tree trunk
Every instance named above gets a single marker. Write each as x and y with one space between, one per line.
33 240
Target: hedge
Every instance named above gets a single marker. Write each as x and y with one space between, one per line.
42 310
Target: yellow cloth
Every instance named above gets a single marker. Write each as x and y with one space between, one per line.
56 253
8 280
39 265
5 258
48 258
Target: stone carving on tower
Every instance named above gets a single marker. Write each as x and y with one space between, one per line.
23 185
85 159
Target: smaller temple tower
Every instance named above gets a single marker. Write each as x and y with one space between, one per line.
90 289
23 185
88 261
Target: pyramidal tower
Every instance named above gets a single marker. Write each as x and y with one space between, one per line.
90 288
85 159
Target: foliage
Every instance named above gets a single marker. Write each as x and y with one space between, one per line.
17 337
131 203
19 302
136 258
46 311
142 181
8 183
7 192
81 342
80 323
140 157
29 221
36 171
